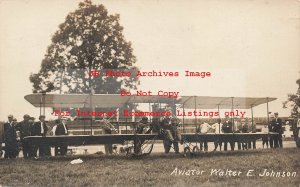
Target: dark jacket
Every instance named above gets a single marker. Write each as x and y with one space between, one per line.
10 139
10 135
24 128
36 129
60 130
245 128
227 127
276 126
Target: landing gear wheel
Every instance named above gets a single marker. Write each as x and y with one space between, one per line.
187 152
196 149
147 149
140 148
129 151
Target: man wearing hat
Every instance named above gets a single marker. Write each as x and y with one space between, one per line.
244 128
107 128
203 129
228 128
140 129
176 133
24 127
265 140
271 137
10 138
141 125
276 126
61 129
40 129
169 126
218 130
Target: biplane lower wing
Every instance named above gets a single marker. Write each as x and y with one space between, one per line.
236 137
121 138
87 139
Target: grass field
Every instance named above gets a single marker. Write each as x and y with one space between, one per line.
155 170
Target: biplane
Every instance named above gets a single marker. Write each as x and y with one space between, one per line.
142 144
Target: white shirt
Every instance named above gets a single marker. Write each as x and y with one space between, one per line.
42 128
235 126
218 128
66 131
10 123
287 128
265 130
54 129
204 127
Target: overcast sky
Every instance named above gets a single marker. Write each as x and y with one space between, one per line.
250 47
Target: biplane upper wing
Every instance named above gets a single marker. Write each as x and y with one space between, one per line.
116 100
207 102
77 100
86 100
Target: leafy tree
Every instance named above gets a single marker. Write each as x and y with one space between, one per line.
294 102
89 39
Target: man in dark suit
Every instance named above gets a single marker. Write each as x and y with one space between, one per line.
107 128
252 128
271 136
10 139
24 127
244 128
227 128
40 129
276 125
61 129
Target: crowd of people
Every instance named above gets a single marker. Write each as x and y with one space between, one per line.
15 133
244 126
227 126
